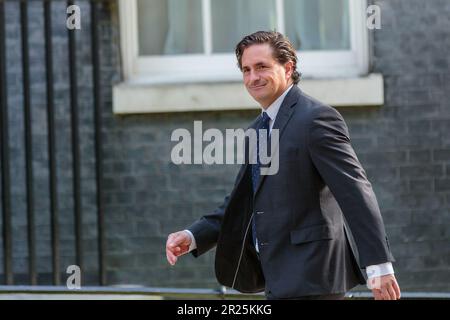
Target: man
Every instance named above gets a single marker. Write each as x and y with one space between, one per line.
307 231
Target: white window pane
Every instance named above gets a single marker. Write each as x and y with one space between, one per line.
318 24
168 27
233 19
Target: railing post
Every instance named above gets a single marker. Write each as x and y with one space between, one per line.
28 143
4 150
75 145
51 143
98 141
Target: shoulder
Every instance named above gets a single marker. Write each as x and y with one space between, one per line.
321 120
312 110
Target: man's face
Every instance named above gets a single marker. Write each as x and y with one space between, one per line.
264 78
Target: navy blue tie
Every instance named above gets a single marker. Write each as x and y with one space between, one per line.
263 125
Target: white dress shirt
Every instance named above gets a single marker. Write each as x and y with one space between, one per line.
272 111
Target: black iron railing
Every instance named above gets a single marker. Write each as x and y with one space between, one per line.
28 143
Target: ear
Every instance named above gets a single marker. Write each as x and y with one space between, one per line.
289 67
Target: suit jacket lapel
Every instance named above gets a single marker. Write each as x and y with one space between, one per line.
246 152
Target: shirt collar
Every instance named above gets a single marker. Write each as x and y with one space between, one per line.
272 110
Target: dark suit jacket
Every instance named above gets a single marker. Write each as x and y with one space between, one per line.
317 220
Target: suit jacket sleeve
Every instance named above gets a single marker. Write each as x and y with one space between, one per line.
335 160
206 230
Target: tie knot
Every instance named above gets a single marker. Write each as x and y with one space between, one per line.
265 117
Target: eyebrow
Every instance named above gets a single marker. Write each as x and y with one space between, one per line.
256 65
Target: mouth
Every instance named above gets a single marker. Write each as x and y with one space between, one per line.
257 87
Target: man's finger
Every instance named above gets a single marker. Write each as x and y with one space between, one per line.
397 289
391 292
385 293
170 253
171 258
377 294
179 251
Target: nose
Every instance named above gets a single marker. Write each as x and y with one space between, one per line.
253 77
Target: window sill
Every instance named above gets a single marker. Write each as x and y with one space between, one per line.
133 98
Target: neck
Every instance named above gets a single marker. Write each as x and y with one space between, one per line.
267 105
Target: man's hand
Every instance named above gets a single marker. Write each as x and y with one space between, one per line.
177 244
385 287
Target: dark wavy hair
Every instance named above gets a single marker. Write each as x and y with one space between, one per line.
283 50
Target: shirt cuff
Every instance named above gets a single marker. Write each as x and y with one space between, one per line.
379 270
193 245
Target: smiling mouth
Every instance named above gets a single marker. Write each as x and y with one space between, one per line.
257 87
